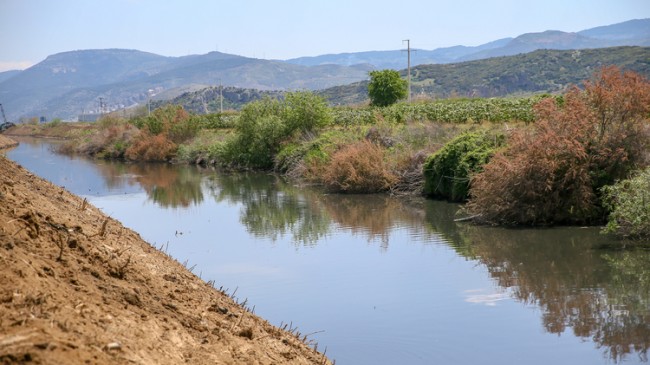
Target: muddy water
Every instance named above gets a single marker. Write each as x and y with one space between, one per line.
377 280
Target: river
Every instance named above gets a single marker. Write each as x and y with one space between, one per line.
378 280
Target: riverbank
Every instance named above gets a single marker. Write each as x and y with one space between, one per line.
78 287
6 142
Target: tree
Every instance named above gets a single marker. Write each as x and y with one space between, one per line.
266 125
554 172
386 87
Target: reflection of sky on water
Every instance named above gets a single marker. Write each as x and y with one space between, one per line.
478 296
76 174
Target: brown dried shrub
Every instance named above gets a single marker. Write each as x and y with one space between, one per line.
151 148
111 139
553 173
358 168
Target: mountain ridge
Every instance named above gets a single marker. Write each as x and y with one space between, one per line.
540 71
69 83
635 32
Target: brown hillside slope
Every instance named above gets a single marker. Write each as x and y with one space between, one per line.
76 287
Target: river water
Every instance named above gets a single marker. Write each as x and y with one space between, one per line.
378 280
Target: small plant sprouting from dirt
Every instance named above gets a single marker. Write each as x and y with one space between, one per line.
120 269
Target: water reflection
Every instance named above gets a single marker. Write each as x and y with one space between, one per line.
270 207
169 186
375 216
598 294
581 289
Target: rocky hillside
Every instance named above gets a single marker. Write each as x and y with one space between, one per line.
542 71
90 81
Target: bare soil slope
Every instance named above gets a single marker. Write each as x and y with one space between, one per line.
6 142
76 287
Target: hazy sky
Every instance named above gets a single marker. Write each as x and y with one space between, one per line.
30 30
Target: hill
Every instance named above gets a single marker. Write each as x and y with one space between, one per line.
5 75
90 81
67 84
542 71
630 33
208 100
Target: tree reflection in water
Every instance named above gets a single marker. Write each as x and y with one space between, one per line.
170 186
271 208
598 293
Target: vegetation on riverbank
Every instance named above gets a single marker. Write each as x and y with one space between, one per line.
553 173
549 156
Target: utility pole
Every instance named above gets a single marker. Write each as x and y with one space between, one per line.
221 95
408 72
101 105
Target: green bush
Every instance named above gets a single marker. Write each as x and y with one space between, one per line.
447 172
223 120
629 204
170 120
55 122
266 125
305 112
386 87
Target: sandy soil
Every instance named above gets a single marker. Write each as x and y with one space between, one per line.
76 287
6 142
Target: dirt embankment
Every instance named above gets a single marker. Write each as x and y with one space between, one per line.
76 287
62 130
6 142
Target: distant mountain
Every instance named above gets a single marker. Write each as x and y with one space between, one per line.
637 29
397 59
541 71
8 74
70 83
67 84
629 33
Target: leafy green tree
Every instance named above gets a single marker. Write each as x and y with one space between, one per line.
266 125
386 87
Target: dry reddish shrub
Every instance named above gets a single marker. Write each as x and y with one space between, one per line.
110 140
553 173
151 148
358 168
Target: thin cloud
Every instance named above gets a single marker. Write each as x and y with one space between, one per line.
15 65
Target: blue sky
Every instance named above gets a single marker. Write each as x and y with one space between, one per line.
30 30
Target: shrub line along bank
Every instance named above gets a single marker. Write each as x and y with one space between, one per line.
531 142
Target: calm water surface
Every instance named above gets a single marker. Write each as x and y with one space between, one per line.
377 280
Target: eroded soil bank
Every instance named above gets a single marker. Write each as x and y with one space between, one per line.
77 287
